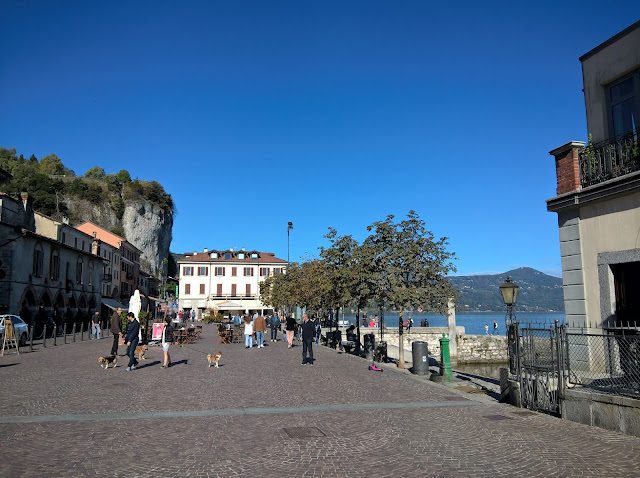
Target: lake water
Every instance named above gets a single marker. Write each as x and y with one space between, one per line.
473 323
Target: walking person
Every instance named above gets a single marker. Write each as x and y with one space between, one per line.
291 328
318 328
274 325
409 324
167 340
115 329
308 334
260 327
486 329
248 332
132 339
495 328
95 325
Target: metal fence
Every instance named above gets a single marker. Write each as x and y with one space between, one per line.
608 361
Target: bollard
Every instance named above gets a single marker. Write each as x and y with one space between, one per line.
64 330
81 331
73 331
31 340
445 363
44 337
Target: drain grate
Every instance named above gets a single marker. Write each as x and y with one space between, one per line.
304 432
497 417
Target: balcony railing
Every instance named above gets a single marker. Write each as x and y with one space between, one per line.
610 159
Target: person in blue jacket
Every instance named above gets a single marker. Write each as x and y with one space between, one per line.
132 340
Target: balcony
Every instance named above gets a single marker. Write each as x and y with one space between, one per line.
107 277
610 159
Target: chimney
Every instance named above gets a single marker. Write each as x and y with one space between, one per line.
25 198
206 250
567 167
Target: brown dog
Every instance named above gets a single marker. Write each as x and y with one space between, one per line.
141 350
105 361
214 359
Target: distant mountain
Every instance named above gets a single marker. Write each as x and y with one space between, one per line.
538 291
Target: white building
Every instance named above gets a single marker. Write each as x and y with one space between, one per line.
209 278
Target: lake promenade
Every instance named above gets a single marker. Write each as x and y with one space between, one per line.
263 414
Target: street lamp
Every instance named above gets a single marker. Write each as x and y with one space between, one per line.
289 227
509 291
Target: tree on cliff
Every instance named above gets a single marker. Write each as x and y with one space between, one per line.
95 173
408 268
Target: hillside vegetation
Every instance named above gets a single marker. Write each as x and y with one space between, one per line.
52 186
538 291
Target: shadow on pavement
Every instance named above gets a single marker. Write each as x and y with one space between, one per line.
9 365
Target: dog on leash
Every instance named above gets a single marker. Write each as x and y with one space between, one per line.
105 361
214 359
141 350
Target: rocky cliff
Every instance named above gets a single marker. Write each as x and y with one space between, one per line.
143 224
148 227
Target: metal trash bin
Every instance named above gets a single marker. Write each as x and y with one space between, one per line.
369 346
420 352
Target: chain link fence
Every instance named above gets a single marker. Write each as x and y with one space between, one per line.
608 362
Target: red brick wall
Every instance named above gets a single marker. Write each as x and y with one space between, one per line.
567 171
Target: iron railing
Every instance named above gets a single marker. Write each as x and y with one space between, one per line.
610 159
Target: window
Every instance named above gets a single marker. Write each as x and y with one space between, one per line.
187 271
248 271
264 271
64 237
227 255
233 290
254 256
203 271
624 104
201 289
75 242
241 255
214 255
38 260
248 290
277 271
54 268
220 271
90 273
187 289
219 290
79 271
83 245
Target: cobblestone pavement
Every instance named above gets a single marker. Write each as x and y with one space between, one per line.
263 414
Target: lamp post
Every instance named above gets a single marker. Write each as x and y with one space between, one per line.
289 227
509 291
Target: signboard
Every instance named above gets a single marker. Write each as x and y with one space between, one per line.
157 331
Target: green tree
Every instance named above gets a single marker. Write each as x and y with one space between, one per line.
51 164
409 268
123 176
95 173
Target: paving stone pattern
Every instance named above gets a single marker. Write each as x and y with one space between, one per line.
62 415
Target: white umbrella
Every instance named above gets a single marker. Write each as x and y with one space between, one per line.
228 305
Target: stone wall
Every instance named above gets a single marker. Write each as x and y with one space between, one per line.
471 348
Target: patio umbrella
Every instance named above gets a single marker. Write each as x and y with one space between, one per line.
228 305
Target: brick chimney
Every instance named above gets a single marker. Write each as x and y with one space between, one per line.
567 167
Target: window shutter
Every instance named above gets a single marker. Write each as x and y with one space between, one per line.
201 289
223 271
206 271
184 271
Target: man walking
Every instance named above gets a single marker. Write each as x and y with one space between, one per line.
132 340
308 334
95 325
260 327
116 327
274 323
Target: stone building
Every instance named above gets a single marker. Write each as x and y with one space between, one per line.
37 269
598 191
209 278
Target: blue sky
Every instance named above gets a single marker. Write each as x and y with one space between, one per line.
327 113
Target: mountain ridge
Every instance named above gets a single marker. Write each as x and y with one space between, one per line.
539 292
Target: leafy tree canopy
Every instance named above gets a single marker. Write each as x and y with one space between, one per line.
95 173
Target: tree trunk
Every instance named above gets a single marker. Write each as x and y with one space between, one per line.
358 328
400 342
